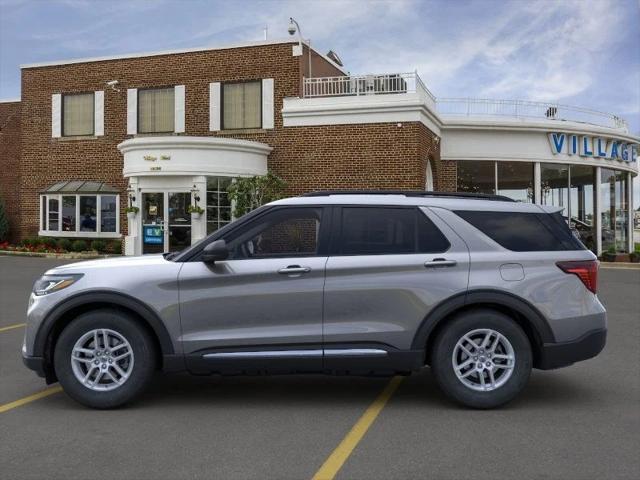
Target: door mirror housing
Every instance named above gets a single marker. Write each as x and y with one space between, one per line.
215 251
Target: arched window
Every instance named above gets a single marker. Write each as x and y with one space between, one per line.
429 177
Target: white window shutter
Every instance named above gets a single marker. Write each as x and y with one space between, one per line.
214 106
98 113
132 111
56 115
179 108
267 103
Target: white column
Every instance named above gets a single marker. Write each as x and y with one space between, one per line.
598 212
630 214
199 226
537 183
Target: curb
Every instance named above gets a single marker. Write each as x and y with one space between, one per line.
67 256
620 265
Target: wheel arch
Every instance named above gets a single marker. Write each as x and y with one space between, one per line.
64 313
522 312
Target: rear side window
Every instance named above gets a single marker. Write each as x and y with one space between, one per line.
380 230
524 232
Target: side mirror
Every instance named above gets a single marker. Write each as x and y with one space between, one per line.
215 251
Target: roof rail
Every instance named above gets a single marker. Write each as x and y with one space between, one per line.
411 193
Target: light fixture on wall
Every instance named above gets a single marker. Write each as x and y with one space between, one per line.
196 194
112 85
293 28
131 192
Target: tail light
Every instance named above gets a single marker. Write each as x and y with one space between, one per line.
586 271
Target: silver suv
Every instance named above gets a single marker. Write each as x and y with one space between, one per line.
479 288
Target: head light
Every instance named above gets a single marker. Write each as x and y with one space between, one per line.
53 283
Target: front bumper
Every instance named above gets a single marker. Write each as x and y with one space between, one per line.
557 355
36 364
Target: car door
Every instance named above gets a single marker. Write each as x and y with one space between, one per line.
388 267
261 308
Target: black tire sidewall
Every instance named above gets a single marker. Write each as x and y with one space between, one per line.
143 351
444 373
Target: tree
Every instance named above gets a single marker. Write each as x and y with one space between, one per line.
249 193
4 222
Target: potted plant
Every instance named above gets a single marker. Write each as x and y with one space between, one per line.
635 256
610 254
131 212
195 211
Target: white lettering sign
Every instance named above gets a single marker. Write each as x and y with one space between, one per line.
596 147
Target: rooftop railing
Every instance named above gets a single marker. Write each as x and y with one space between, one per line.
398 83
482 107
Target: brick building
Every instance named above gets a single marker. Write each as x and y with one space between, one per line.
161 131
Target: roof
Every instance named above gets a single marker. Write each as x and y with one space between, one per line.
174 52
80 186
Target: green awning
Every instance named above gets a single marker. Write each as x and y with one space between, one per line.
80 186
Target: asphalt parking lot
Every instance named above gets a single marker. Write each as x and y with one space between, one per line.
581 422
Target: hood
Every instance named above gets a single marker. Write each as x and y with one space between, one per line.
81 267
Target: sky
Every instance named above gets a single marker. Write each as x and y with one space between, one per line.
576 52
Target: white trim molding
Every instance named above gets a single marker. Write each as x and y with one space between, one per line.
214 107
132 111
268 112
179 102
182 155
98 113
56 115
384 108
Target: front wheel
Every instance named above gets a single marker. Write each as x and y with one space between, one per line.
482 359
104 359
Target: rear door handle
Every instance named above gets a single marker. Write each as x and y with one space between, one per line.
294 269
440 263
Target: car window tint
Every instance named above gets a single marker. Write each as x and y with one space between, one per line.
380 230
282 233
524 232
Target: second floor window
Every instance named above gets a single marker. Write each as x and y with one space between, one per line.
156 110
78 114
242 105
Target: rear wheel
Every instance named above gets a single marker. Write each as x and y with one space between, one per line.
104 359
482 359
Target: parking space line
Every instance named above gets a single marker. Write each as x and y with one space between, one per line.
333 464
11 327
31 398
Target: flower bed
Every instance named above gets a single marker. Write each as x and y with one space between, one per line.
48 245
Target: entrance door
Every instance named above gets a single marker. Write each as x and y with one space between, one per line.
166 224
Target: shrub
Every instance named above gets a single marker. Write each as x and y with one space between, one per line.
29 242
65 244
4 222
114 247
47 242
79 246
99 245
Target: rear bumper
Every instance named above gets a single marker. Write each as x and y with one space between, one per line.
556 355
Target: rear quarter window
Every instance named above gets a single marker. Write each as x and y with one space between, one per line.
524 232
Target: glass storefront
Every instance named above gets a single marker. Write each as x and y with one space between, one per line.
218 204
614 208
515 180
570 187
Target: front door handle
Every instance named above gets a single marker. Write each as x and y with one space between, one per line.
440 263
294 269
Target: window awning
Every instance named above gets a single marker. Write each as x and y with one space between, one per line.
80 186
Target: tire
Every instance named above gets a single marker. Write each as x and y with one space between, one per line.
491 379
113 388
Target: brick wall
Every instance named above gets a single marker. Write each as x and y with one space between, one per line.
308 158
10 162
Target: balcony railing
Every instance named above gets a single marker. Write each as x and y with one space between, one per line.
356 85
481 107
398 83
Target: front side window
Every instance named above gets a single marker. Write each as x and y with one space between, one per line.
78 114
290 232
379 230
476 176
156 110
242 105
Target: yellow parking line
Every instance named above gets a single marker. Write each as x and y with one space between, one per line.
11 327
31 398
333 464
